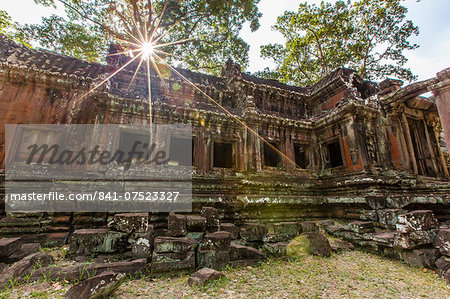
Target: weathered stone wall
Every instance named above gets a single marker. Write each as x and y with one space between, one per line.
374 127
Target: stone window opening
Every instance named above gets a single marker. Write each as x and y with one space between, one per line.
335 154
223 156
127 141
271 156
39 137
301 155
179 148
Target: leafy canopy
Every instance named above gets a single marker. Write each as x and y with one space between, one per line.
369 36
209 28
11 29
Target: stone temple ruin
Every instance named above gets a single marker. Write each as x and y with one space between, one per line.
373 164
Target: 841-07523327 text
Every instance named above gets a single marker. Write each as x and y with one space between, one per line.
162 196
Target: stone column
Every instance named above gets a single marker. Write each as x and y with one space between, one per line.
430 149
441 91
409 143
401 135
241 151
436 133
289 151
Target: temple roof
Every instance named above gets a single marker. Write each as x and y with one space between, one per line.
19 55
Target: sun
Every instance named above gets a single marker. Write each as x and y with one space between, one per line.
147 50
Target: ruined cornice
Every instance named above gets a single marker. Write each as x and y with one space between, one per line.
19 74
408 92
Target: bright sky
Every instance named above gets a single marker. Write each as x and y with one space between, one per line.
432 17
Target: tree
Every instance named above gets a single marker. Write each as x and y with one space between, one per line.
369 36
11 29
208 28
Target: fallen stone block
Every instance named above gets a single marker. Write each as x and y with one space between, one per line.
100 286
389 217
85 271
231 228
285 231
397 202
142 243
89 241
3 267
174 245
195 223
177 225
212 259
443 241
24 267
360 227
274 238
414 239
309 226
172 262
446 224
376 202
309 243
332 229
161 232
425 257
385 238
204 276
338 245
130 222
352 236
253 232
443 265
421 220
369 215
370 246
197 236
212 218
218 241
241 252
142 247
277 249
9 245
25 250
325 223
290 228
390 252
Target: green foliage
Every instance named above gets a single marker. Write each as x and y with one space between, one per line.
11 29
367 35
211 28
267 73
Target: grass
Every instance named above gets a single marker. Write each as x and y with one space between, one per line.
352 274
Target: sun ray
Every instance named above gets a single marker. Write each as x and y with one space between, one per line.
155 27
106 79
128 42
134 37
139 32
164 33
135 73
174 42
150 113
161 76
233 116
165 53
123 52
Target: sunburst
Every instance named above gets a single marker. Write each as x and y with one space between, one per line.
146 46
